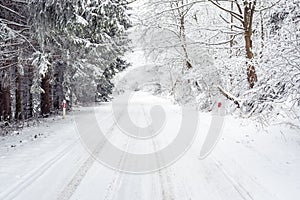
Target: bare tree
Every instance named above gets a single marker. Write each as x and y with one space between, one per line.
168 18
182 12
244 13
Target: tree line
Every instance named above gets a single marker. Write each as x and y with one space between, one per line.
244 50
52 50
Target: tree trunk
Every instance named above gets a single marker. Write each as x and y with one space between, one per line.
18 114
58 88
248 42
1 103
231 36
183 42
248 22
6 103
251 71
27 96
262 29
45 97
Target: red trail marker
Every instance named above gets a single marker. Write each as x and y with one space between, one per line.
219 105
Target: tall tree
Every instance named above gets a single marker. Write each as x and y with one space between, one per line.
244 13
48 47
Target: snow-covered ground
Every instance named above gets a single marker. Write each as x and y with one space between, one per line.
246 163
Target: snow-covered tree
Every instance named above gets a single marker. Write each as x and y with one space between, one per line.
92 35
247 50
56 49
104 83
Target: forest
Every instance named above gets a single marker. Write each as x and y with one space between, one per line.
150 99
245 50
52 50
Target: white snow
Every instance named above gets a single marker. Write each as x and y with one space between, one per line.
81 20
49 161
246 163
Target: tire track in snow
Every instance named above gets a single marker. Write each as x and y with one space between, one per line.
245 194
34 175
183 187
117 180
115 184
166 180
72 186
244 175
164 177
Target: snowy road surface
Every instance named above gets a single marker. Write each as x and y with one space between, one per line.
246 164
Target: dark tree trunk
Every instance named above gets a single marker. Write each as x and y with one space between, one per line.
6 104
251 71
18 114
58 88
231 36
29 104
26 92
249 10
45 97
262 30
1 103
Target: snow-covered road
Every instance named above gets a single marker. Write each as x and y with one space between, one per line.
246 164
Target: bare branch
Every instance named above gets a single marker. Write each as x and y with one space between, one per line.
230 96
234 14
12 11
